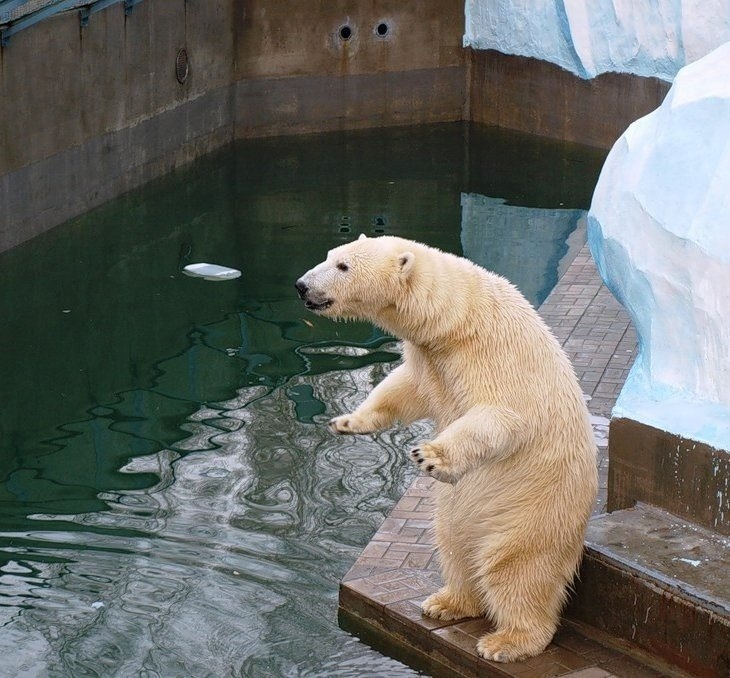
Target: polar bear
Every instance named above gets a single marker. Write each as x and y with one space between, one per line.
513 448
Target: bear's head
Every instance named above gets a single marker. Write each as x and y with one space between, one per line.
360 279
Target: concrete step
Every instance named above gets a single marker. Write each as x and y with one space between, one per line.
660 583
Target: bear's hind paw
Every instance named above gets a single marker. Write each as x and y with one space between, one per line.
442 605
509 646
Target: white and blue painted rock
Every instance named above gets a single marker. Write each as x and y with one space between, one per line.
659 230
651 38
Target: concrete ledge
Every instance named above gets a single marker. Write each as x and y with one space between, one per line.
658 582
683 476
380 603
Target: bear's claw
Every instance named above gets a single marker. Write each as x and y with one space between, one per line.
430 460
340 425
349 424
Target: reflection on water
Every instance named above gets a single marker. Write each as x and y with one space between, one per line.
170 501
227 565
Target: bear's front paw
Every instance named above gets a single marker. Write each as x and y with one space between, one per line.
428 457
349 423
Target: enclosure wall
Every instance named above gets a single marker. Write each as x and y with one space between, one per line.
91 111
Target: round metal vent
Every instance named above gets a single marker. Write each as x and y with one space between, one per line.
182 66
345 33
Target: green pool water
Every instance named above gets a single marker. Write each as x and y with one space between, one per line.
171 502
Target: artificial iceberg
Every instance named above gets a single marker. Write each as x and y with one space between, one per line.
659 230
652 38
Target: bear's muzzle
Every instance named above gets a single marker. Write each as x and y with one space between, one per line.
312 304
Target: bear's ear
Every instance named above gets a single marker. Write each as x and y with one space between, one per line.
362 237
405 263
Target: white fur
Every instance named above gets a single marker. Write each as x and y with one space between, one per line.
514 447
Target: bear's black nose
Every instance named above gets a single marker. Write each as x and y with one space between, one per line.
301 288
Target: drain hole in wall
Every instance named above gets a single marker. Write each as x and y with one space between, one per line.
382 30
345 33
182 66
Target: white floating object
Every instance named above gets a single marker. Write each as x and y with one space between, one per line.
211 272
690 561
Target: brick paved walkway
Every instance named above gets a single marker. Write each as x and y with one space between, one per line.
380 596
600 341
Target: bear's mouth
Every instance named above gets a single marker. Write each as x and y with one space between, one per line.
318 306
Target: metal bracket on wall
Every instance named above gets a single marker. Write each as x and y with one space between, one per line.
6 7
129 5
86 12
10 26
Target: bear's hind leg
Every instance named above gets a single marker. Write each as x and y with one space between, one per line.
457 599
524 597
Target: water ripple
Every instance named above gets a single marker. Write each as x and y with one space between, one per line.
219 568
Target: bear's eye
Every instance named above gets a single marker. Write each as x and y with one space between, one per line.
342 266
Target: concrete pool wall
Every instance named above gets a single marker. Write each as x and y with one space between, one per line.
91 111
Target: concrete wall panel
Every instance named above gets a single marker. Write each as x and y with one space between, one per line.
540 98
266 107
43 194
302 38
90 112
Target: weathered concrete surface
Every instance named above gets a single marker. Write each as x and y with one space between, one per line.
683 476
660 582
541 98
64 85
90 113
321 103
295 73
302 38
